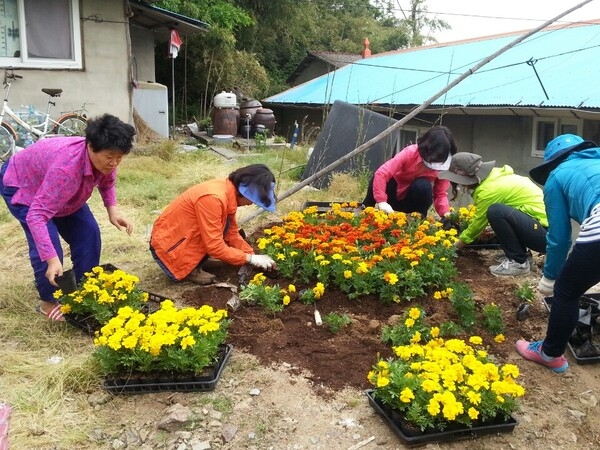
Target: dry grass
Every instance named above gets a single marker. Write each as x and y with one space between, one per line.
46 370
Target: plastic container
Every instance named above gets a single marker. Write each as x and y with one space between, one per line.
410 440
223 138
208 382
225 100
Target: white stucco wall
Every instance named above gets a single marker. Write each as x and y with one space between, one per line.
103 84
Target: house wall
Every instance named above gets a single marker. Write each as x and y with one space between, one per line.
103 84
505 139
142 49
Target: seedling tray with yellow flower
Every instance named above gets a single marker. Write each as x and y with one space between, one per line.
100 294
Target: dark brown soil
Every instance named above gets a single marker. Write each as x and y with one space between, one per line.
335 361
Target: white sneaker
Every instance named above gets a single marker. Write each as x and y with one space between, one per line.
509 268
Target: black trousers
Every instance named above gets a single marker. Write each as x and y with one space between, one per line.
516 231
419 196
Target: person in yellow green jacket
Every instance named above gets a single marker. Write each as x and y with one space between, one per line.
511 204
201 223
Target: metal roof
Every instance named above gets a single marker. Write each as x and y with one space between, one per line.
566 60
162 21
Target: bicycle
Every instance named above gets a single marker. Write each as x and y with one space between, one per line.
70 123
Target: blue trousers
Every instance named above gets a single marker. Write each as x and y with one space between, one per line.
516 231
580 272
79 230
419 196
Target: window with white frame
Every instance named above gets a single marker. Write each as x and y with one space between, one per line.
40 34
545 129
409 136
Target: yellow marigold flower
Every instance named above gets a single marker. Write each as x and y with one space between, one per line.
291 288
499 338
435 332
382 364
510 370
325 262
409 323
382 382
347 274
414 313
319 257
437 295
280 256
187 341
390 278
318 290
416 337
57 294
286 300
362 268
337 256
406 395
65 309
414 263
433 407
474 397
476 340
473 413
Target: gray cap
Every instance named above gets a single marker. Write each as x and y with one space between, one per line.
467 168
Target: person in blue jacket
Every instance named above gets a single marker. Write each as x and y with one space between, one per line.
570 175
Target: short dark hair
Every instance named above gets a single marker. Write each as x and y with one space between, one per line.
257 175
436 144
109 132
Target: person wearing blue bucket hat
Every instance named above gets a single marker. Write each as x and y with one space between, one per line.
570 175
200 224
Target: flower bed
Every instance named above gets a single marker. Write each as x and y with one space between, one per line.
396 256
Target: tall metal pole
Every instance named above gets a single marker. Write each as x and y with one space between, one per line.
173 94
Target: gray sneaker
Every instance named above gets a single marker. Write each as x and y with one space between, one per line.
501 259
509 268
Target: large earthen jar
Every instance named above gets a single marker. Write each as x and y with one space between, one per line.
225 120
265 116
249 107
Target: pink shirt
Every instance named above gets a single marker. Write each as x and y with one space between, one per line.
405 167
55 178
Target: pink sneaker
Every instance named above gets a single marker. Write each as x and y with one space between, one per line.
532 351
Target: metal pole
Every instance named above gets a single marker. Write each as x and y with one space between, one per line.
414 112
173 94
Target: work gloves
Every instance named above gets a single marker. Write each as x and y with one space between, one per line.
385 207
546 286
262 262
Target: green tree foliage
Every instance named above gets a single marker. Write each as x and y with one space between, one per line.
253 46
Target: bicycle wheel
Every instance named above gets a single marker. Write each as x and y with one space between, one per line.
71 125
7 142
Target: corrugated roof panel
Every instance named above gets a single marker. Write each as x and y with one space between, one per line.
566 61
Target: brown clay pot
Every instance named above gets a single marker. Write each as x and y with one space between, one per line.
265 116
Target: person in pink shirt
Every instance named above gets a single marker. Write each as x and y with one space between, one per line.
46 187
409 181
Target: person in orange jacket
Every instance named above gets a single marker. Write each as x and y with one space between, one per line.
201 223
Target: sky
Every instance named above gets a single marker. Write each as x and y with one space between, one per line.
475 18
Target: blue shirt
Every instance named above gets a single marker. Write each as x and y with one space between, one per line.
571 192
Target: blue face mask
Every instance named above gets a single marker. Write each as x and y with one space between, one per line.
250 191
